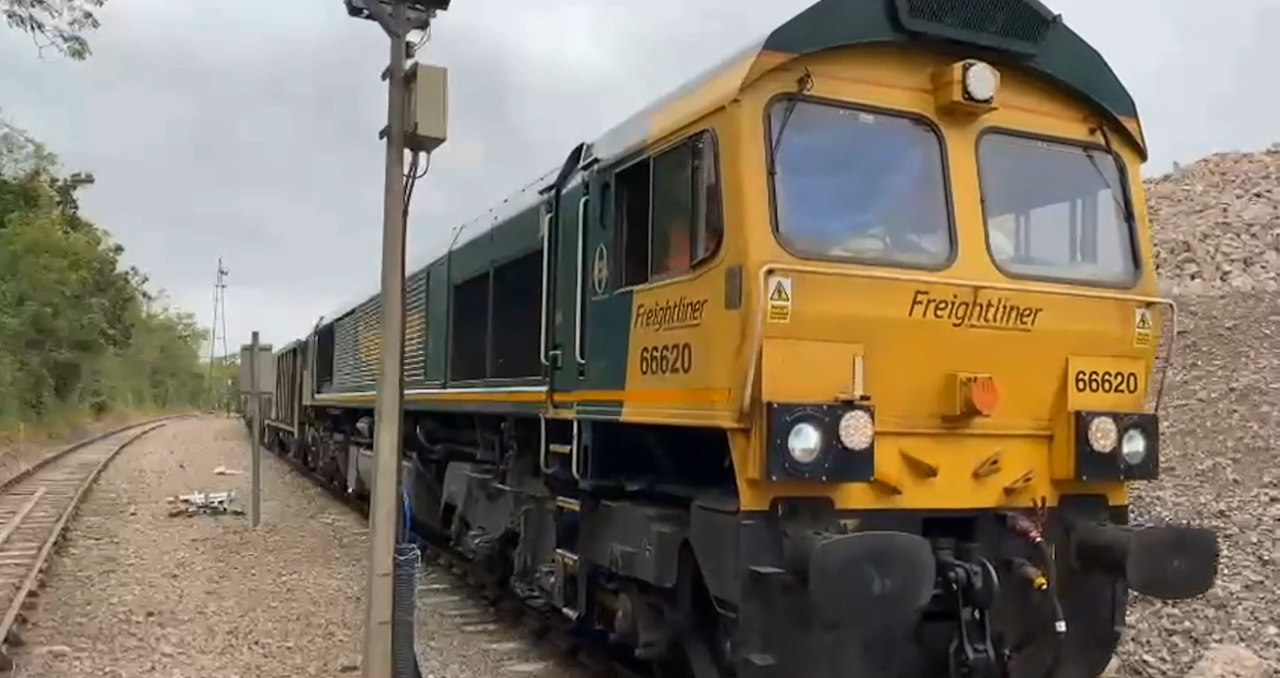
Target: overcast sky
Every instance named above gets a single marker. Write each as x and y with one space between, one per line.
249 129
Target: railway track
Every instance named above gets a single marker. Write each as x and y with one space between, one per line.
447 576
35 507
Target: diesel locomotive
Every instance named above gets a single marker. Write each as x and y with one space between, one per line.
838 360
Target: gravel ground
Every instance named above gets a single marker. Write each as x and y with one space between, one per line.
1218 468
1216 226
459 637
136 593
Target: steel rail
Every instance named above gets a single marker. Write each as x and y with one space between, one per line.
47 487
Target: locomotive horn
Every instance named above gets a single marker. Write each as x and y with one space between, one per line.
570 166
1167 562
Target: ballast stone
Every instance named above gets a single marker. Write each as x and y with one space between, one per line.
1216 224
1231 661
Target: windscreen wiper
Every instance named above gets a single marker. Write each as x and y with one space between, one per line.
803 85
1123 199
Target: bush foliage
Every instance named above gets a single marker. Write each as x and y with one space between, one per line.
80 334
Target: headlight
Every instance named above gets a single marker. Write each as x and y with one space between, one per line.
1133 447
1103 434
980 81
804 443
857 430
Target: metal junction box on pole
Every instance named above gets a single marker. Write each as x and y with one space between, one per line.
265 369
428 107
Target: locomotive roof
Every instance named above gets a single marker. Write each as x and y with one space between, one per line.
1024 32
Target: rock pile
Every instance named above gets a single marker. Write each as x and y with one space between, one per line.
1217 233
1217 224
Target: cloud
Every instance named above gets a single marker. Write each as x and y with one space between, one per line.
249 129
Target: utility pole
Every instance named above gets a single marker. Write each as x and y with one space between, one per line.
218 329
397 18
255 452
388 409
257 376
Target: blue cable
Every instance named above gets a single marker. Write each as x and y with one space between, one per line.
406 513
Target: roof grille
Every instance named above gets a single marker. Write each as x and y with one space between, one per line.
1006 25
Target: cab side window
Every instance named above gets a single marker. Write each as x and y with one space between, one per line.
668 211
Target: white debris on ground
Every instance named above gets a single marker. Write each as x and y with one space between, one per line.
1217 233
137 593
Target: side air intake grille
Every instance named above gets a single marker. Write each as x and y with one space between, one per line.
1006 25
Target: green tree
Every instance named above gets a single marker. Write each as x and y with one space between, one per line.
55 24
80 333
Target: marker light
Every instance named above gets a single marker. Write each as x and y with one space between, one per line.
981 81
1103 434
857 430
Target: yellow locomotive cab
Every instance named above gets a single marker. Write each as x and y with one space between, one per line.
954 272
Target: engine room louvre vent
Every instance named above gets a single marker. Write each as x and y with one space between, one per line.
1007 25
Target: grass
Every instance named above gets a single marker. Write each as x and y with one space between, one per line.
69 425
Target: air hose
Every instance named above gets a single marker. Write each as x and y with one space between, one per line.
1042 579
404 595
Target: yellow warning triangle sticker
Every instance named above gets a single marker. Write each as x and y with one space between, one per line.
779 294
1144 321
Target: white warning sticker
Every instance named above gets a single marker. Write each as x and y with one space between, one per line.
1142 327
780 297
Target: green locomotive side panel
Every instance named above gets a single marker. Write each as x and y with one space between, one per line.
564 371
606 311
437 339
470 260
415 329
491 332
358 341
357 348
494 404
590 362
517 236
